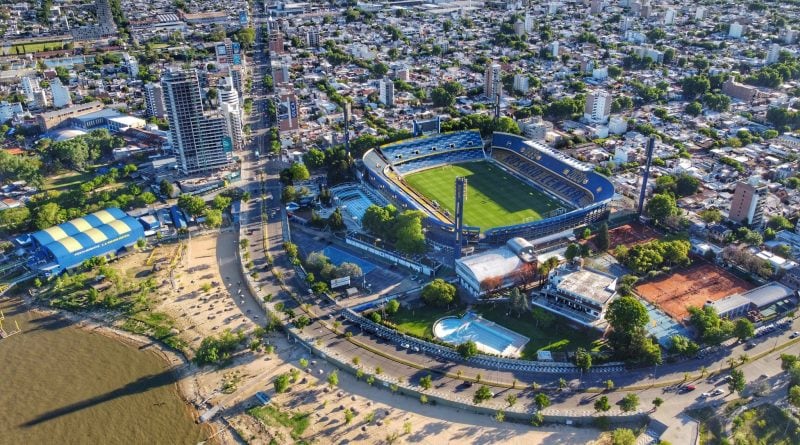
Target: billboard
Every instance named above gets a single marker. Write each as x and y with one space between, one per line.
243 18
236 57
340 282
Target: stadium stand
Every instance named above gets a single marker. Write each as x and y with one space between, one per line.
404 151
67 245
440 159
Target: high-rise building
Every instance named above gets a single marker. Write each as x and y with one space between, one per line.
154 100
198 140
312 38
700 13
131 64
61 97
747 204
386 94
231 112
735 30
276 42
669 17
492 82
521 83
105 20
774 54
529 22
288 112
228 53
598 107
596 6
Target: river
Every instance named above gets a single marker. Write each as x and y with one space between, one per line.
61 384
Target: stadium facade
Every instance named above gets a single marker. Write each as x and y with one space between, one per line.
69 244
585 193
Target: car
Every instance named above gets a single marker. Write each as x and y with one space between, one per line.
750 345
795 334
688 388
717 392
705 394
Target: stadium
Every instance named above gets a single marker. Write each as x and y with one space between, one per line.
69 244
516 188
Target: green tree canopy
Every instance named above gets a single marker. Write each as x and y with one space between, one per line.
439 293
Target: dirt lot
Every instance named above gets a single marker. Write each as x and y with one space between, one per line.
630 234
691 287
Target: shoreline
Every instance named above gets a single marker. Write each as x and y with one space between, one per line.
182 368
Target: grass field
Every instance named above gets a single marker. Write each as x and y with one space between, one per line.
494 197
554 338
419 321
67 180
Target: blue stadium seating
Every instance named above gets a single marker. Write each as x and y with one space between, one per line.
404 151
452 157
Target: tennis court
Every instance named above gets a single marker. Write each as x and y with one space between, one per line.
338 257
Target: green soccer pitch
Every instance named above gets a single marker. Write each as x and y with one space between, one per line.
494 197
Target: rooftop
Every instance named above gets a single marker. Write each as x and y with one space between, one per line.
492 263
587 283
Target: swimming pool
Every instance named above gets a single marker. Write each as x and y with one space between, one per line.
488 336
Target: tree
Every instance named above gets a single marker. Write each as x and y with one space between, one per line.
193 205
623 436
794 395
602 404
221 202
743 329
281 383
333 378
693 108
695 86
602 240
573 251
392 307
711 216
629 402
246 36
298 172
779 222
48 215
657 402
627 314
661 206
481 395
468 349
542 401
442 98
166 188
15 219
511 399
314 158
583 359
439 293
426 382
737 381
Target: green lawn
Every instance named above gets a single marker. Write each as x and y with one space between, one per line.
272 416
494 197
766 424
419 321
558 337
67 180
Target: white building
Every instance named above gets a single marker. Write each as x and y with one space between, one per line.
773 54
617 125
579 294
29 87
498 268
492 85
9 110
131 64
598 107
700 13
386 92
232 113
554 48
600 73
735 30
528 23
521 83
61 96
669 17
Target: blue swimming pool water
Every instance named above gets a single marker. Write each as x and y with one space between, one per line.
458 330
338 257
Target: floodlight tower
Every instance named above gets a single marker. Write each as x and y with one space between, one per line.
461 197
651 143
347 112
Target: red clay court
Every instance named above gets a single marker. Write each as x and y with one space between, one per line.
691 287
630 234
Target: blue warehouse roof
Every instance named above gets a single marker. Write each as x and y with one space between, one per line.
71 243
77 225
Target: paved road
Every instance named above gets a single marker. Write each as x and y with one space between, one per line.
261 179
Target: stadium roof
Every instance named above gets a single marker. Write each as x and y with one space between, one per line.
77 225
498 262
70 243
768 294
